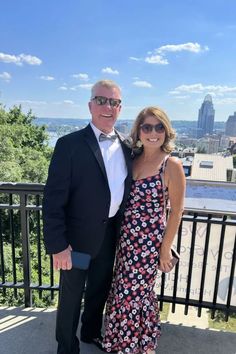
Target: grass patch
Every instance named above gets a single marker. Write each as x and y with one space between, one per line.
219 323
165 311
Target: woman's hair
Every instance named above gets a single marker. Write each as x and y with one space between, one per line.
159 114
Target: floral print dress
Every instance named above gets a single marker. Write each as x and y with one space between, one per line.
132 323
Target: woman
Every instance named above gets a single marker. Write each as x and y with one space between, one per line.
132 322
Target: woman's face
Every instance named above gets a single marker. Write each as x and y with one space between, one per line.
152 132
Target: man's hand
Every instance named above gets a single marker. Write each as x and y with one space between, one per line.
62 260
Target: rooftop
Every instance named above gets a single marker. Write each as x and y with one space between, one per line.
211 167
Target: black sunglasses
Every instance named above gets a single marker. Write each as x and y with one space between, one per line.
148 128
101 101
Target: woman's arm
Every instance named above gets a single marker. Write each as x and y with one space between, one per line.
176 183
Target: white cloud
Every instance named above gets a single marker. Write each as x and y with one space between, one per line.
110 71
195 88
174 92
86 86
20 59
224 101
31 103
142 84
47 78
135 59
183 97
189 47
157 56
199 88
7 58
68 102
29 59
75 88
156 59
63 88
80 76
5 76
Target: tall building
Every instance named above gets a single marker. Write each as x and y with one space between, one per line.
230 127
206 117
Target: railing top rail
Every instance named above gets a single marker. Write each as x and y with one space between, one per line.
21 187
225 184
209 211
11 187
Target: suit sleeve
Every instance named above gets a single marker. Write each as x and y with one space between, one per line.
55 199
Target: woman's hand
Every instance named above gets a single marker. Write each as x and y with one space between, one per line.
165 264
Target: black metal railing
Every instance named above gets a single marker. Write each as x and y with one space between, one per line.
213 276
204 277
21 231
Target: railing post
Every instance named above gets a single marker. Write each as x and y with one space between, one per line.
25 249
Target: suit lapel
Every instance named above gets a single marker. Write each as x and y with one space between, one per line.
126 152
91 140
128 160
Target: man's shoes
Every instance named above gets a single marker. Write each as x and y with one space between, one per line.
96 341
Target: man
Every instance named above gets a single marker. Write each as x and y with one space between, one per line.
87 187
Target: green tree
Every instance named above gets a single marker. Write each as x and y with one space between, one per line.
24 157
24 150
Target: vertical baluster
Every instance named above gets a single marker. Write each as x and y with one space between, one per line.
231 281
2 254
13 247
25 249
190 263
204 264
38 232
218 268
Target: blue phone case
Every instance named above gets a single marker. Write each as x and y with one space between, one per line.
80 260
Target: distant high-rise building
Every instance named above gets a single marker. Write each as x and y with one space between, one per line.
206 117
230 127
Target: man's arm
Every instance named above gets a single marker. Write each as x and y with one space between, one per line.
56 194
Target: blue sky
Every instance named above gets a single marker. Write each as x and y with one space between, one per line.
165 53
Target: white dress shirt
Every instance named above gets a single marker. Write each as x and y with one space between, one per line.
115 166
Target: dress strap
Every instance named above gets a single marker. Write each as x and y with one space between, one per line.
164 163
162 170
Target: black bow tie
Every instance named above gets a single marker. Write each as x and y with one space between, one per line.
103 137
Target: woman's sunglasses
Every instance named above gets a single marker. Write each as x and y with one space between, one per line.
148 128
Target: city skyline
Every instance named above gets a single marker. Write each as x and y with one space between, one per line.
167 54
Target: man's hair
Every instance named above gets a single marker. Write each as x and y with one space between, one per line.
104 83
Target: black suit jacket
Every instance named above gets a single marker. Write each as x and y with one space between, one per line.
77 195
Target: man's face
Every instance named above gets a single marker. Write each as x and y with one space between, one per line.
105 116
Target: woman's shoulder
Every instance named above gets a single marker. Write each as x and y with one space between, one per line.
173 161
174 166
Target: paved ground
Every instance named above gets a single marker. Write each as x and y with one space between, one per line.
31 331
